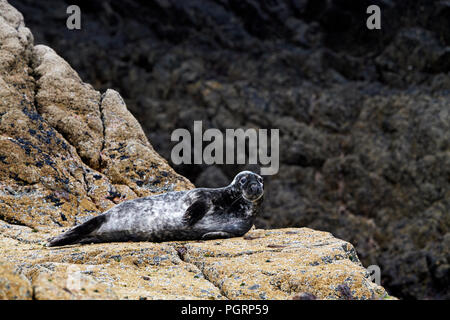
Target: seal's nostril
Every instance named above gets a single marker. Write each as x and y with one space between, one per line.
253 188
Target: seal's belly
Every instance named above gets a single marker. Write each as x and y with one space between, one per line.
148 220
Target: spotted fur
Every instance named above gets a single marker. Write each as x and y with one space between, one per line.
201 213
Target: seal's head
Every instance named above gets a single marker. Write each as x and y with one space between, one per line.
250 184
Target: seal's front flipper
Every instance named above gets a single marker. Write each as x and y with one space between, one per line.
195 212
216 235
79 233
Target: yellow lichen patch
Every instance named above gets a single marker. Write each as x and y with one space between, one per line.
59 281
128 158
102 271
87 205
13 286
265 264
278 264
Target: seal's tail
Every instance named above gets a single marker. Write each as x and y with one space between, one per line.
79 233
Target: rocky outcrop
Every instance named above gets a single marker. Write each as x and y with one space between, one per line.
67 152
363 115
265 264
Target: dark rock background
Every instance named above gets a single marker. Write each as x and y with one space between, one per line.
364 116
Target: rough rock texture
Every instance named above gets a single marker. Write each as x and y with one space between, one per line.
364 116
279 264
67 152
13 285
265 264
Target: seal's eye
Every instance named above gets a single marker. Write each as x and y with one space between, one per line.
243 180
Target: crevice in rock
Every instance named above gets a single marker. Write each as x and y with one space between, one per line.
205 276
13 221
102 118
33 290
87 188
181 252
18 238
36 89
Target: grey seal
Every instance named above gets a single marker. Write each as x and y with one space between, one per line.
202 213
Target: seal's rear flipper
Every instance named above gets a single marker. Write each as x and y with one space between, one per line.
79 233
195 212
